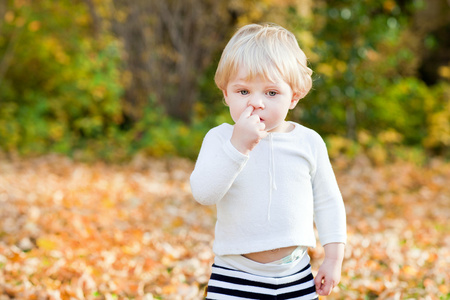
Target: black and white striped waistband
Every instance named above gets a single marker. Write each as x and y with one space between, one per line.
230 284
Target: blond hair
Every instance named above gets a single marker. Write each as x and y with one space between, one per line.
265 50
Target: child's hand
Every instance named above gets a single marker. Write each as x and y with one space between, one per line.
248 131
328 276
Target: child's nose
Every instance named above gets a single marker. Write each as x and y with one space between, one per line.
256 102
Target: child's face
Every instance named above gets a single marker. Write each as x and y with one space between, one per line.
271 100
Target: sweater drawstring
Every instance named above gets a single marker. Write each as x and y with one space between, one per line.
273 185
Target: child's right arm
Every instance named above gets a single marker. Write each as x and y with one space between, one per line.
218 164
248 131
222 158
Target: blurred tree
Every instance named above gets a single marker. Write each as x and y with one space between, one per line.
9 42
169 45
103 75
430 27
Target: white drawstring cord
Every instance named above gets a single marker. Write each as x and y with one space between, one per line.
273 185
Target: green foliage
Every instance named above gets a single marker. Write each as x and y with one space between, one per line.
158 135
62 88
404 106
384 148
349 35
365 78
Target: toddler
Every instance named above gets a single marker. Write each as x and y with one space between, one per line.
270 179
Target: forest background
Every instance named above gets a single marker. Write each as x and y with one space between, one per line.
104 105
110 79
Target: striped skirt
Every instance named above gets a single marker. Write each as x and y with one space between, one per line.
230 284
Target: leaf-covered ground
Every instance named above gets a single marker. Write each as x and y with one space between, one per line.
70 230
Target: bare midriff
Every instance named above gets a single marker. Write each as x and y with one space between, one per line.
270 255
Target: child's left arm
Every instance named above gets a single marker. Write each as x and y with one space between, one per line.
329 273
330 219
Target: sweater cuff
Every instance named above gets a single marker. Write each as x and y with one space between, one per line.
340 238
233 153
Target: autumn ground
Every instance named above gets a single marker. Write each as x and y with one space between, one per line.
70 230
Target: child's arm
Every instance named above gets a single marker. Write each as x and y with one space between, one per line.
247 132
330 219
329 273
221 159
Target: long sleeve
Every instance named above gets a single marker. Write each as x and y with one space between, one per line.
329 210
243 189
217 166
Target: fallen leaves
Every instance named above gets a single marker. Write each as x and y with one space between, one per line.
398 245
70 230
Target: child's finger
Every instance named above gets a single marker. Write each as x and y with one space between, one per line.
247 112
318 280
323 286
262 126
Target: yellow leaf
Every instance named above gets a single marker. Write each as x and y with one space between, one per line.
178 222
46 244
409 270
9 16
444 289
169 289
325 69
34 26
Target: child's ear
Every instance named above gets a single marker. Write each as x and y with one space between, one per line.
225 97
295 98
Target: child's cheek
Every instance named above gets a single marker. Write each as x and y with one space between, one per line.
234 114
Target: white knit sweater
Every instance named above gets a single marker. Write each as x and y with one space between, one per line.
268 199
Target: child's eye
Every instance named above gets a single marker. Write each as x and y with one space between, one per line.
243 92
272 93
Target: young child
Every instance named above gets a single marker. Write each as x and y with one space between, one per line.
268 177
